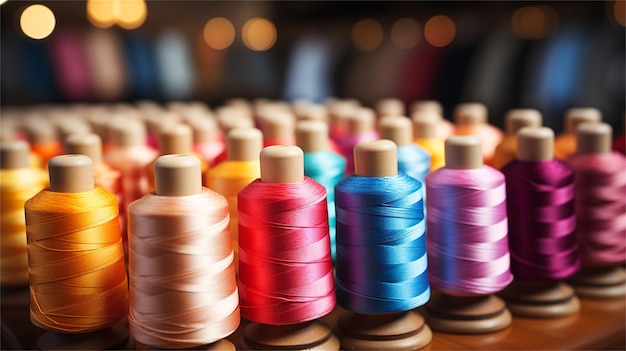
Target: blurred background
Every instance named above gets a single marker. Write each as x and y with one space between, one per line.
545 55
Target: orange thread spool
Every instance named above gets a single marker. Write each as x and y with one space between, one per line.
516 119
77 274
565 143
18 182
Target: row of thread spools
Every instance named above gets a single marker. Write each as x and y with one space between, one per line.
183 291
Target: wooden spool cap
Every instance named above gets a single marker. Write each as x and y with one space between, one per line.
127 133
312 135
425 124
593 138
376 158
427 105
519 118
390 107
176 139
577 115
41 132
398 129
177 175
282 164
73 126
470 114
14 154
363 121
88 144
463 152
204 130
535 144
231 117
313 112
244 144
71 174
278 125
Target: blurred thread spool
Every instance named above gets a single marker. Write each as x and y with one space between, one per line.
462 276
242 167
392 327
207 139
565 143
278 128
322 165
43 140
425 135
516 119
444 128
472 119
389 107
185 226
361 126
549 254
305 295
600 213
76 261
18 182
339 112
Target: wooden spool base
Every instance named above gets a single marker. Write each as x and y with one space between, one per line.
220 345
391 331
466 314
112 338
541 299
304 336
600 282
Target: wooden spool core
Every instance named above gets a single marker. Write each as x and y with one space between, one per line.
577 115
88 144
425 124
14 154
176 139
204 130
593 138
463 152
390 107
376 158
363 121
71 174
535 144
244 144
398 129
312 135
177 175
519 118
282 164
128 133
278 126
427 105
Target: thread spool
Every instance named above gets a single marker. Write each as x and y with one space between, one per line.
412 159
565 143
516 119
425 135
472 119
43 140
177 138
207 140
185 227
361 126
339 112
77 276
463 281
242 168
18 183
600 212
445 128
381 316
278 128
322 165
541 229
284 311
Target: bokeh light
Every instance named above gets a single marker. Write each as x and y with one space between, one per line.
219 33
534 22
439 31
259 34
367 34
406 33
100 13
37 21
131 14
619 9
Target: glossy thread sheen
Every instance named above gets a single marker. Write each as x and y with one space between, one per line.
381 252
542 221
467 231
183 290
599 188
77 274
16 187
285 266
327 168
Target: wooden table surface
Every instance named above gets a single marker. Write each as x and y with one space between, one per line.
600 324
